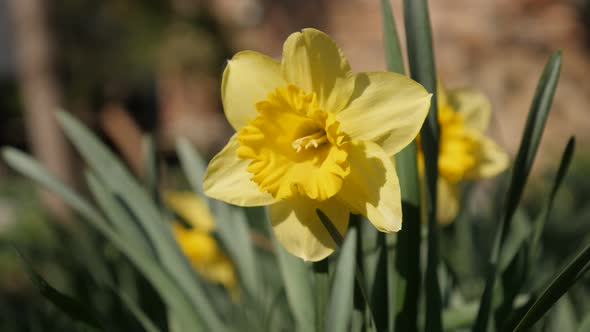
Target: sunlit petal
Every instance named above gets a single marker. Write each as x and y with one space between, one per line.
473 106
249 77
372 187
191 208
387 108
313 62
490 159
205 255
227 179
301 232
447 201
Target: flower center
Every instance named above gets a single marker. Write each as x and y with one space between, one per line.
295 147
310 141
457 146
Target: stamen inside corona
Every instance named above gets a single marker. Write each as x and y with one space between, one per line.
313 140
295 147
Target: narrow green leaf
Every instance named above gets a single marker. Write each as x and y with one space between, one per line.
175 324
371 253
393 52
566 159
234 234
461 316
272 311
584 324
117 215
403 259
515 240
162 282
232 224
562 316
321 280
298 287
403 256
556 289
334 233
147 324
192 164
70 306
151 169
119 180
526 153
422 69
533 132
358 271
373 264
515 276
342 294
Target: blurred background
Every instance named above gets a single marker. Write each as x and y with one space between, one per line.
132 67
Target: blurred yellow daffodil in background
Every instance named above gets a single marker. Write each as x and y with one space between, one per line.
313 135
197 242
465 152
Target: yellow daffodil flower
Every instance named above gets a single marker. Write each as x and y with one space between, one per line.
197 242
465 153
313 135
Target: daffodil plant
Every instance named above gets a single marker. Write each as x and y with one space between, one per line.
315 141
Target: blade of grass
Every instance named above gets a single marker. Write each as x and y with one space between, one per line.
556 289
422 69
166 286
342 294
526 153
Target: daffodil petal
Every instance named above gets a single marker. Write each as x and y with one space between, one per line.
199 246
313 62
248 78
475 108
299 229
205 255
388 108
372 187
447 202
490 159
191 208
227 179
